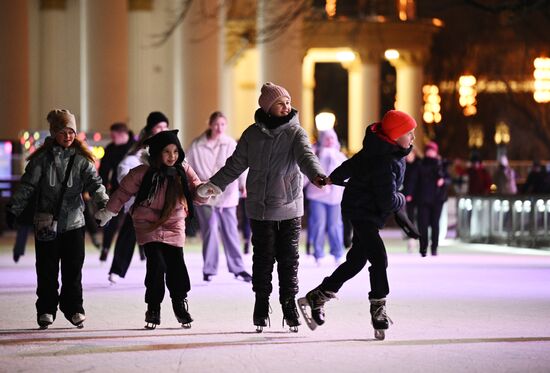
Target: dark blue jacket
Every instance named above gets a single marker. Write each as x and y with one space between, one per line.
375 175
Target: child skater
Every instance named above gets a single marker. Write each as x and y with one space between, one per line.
374 176
62 160
275 149
164 190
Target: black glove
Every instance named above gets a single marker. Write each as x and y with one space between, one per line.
10 219
408 226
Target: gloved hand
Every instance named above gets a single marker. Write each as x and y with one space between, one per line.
208 189
11 219
406 225
103 216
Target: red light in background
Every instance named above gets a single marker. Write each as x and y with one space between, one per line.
97 136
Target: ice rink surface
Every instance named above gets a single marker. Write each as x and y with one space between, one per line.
473 308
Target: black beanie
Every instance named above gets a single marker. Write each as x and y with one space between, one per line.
160 140
154 118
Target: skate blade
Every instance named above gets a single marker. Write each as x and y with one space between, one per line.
80 326
186 325
150 326
293 329
380 334
303 304
259 328
43 327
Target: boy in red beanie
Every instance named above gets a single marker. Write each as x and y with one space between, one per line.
374 176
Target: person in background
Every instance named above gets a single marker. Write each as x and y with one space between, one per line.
479 179
535 183
431 194
126 239
505 177
218 217
409 191
122 140
324 212
66 250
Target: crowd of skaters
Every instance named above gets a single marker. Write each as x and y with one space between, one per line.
147 187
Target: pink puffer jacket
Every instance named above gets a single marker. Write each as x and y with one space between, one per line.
172 231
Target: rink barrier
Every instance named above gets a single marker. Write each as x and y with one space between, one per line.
521 220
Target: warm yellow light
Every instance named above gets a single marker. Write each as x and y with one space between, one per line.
467 80
345 56
391 54
324 121
432 108
98 151
542 63
428 117
542 79
330 8
469 110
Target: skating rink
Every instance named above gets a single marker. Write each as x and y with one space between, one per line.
473 308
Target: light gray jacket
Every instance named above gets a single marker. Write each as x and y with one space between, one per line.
51 165
274 158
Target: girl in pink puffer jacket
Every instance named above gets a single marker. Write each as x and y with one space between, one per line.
165 191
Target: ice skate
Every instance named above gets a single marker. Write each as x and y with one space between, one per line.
152 317
261 313
379 318
45 320
181 310
113 278
315 300
78 320
290 315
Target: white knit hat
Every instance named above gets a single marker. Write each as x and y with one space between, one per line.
270 93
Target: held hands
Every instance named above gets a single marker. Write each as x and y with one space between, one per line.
321 180
103 216
208 190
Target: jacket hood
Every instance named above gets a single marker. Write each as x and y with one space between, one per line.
376 144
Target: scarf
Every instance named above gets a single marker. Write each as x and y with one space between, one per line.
153 180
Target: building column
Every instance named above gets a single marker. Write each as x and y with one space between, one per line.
202 45
140 62
364 98
410 77
280 46
106 71
14 71
307 113
59 54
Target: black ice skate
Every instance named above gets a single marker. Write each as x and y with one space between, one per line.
315 300
261 313
45 320
152 316
379 318
78 320
181 310
290 315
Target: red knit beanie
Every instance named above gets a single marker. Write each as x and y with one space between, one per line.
397 123
270 93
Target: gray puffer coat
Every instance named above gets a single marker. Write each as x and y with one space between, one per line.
51 165
274 158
